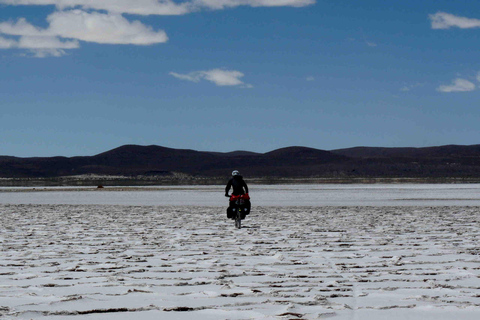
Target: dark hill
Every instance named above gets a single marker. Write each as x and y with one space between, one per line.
138 160
133 160
450 161
285 162
304 154
291 162
238 153
449 151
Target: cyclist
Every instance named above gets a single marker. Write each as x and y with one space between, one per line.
239 187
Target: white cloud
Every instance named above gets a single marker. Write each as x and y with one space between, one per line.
67 27
218 76
80 20
158 7
222 4
140 7
28 42
20 28
40 46
310 78
102 28
458 85
44 53
442 20
7 43
224 77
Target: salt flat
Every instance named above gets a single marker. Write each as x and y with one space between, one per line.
262 195
100 261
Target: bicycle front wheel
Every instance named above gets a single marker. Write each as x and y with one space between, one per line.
238 219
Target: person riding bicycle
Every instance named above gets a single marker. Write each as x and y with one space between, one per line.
239 188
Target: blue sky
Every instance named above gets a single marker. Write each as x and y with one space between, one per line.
79 77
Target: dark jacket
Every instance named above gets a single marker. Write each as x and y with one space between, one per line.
238 184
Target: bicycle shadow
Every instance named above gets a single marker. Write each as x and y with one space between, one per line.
250 227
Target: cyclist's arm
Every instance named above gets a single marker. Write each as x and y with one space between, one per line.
245 186
227 188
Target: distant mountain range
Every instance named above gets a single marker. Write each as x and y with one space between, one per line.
451 161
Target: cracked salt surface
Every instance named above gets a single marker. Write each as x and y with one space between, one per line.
101 261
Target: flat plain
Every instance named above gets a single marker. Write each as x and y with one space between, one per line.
109 261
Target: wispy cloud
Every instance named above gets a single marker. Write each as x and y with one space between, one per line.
410 87
443 20
220 77
458 85
363 39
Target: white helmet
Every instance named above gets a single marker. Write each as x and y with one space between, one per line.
235 173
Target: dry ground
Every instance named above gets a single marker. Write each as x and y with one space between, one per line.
123 262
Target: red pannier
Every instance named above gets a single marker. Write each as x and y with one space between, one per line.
240 196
